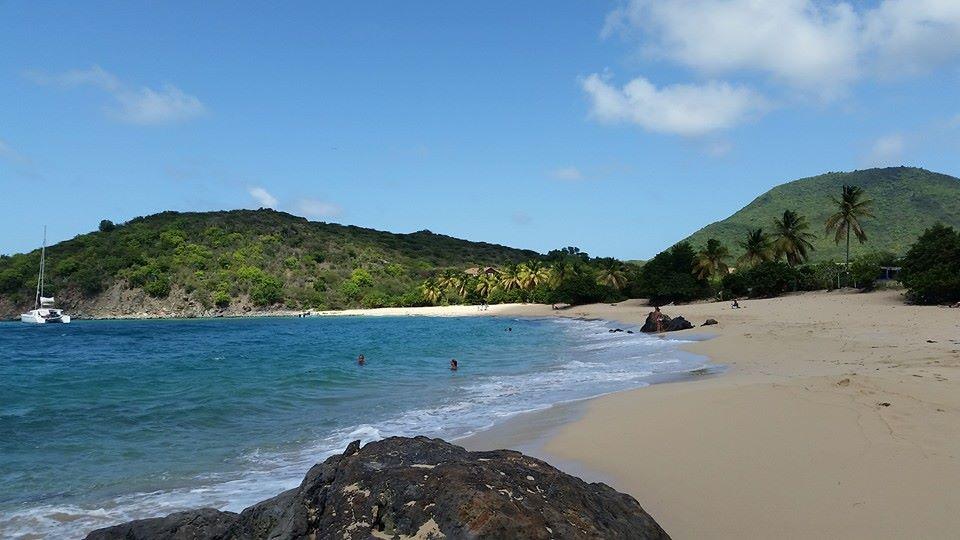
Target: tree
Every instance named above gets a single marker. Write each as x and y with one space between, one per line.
510 278
669 277
711 260
931 268
431 291
106 225
851 208
756 249
486 283
611 273
791 239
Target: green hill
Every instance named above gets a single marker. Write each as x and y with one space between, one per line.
906 200
188 263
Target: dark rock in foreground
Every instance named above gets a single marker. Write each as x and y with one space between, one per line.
417 488
669 325
709 322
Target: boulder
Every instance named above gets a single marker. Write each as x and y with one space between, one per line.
668 324
709 322
417 488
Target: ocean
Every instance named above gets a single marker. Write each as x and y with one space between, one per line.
107 421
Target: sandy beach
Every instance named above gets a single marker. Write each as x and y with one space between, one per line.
838 417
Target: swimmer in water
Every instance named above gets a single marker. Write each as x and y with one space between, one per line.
361 360
453 364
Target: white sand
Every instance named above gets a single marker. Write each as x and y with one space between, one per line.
793 441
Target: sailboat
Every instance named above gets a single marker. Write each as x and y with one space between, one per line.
43 311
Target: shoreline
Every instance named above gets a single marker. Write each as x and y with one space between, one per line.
422 311
838 416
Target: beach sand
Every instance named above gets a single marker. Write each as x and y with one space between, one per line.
838 417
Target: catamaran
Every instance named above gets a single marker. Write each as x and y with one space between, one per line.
43 311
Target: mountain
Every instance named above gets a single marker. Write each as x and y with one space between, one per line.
233 262
906 201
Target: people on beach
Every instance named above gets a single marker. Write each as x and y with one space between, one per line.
361 360
735 305
658 318
453 364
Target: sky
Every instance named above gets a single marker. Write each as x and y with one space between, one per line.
617 127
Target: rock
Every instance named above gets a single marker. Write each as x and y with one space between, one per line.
669 325
709 322
203 523
417 488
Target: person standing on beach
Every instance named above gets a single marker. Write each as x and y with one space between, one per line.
658 318
361 360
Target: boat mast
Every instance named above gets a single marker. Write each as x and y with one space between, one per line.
43 256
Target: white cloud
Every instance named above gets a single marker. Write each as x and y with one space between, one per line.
683 109
168 105
819 47
570 174
263 197
143 106
316 209
887 151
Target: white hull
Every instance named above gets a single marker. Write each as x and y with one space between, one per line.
44 316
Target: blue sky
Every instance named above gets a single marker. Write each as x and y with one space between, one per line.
618 127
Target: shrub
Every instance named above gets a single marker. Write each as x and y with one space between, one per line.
221 298
669 277
350 290
500 296
375 299
157 286
579 288
10 281
931 268
819 276
865 269
266 290
769 279
106 225
734 285
361 278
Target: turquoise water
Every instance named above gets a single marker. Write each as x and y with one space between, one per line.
104 421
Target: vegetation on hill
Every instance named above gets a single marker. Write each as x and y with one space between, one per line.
261 257
906 201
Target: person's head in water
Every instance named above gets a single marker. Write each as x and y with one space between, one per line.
453 364
361 360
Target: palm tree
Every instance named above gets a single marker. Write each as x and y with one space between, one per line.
851 207
525 277
756 249
612 275
558 271
791 239
536 274
486 283
431 291
510 278
711 260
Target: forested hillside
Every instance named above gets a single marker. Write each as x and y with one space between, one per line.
906 201
241 259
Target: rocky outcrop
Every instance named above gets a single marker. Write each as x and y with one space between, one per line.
668 324
418 488
709 322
